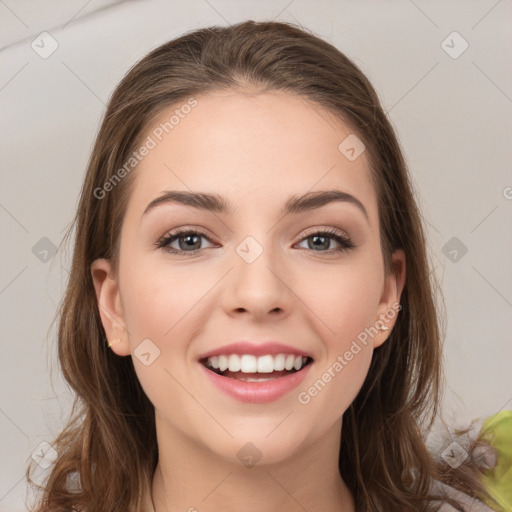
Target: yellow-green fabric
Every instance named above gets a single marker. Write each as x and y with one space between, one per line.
497 430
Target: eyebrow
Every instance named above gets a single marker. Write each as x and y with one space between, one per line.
217 204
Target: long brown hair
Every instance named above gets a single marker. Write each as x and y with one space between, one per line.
110 443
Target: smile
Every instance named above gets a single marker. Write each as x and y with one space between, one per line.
251 368
256 379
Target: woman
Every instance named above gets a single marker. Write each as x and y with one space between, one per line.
267 372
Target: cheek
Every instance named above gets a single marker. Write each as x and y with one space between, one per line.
347 306
339 375
336 385
157 298
347 302
158 306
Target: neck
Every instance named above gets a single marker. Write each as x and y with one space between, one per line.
189 477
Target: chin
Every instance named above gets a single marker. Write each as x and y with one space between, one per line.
250 451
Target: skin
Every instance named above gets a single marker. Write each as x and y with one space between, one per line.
255 150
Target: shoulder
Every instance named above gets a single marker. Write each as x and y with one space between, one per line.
469 503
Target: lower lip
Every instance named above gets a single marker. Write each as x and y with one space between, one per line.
257 392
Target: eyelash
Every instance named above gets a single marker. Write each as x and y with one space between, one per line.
345 242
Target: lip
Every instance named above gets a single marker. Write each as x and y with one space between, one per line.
257 392
256 349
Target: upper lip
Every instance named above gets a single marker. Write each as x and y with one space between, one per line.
256 349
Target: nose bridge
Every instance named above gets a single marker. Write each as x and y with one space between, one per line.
257 283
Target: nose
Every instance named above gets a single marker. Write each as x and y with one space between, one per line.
258 289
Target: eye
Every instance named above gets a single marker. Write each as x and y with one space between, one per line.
323 238
189 240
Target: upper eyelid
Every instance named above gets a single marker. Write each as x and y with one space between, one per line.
203 232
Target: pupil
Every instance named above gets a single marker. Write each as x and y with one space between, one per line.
187 237
316 237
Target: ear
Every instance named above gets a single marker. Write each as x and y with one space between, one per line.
389 305
110 307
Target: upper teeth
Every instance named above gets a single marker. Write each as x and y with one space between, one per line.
248 363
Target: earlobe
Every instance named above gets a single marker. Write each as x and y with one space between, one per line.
389 305
110 307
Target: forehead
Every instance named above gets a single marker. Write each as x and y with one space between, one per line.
244 145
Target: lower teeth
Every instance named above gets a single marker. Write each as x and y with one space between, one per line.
250 379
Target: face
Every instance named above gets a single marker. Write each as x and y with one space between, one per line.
311 277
